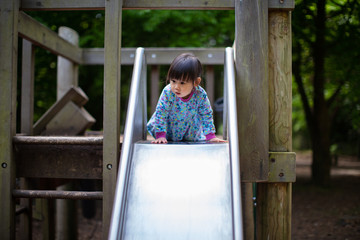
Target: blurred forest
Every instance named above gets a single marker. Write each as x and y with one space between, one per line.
326 69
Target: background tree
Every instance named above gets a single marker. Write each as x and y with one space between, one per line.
326 71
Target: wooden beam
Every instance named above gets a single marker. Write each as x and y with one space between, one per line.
112 83
8 77
42 36
155 56
28 5
67 72
251 70
274 199
251 66
27 87
71 120
59 157
127 4
76 95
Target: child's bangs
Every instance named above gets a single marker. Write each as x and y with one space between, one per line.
184 71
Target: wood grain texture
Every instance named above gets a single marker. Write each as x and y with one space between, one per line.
274 211
112 72
8 76
42 36
251 63
280 82
274 199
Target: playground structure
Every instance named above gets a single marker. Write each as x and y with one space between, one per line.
263 77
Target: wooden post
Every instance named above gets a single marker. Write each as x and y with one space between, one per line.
67 77
27 112
112 71
274 199
67 71
155 93
9 11
210 83
251 66
27 87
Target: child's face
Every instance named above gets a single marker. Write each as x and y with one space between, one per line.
181 88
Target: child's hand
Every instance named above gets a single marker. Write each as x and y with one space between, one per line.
159 140
217 140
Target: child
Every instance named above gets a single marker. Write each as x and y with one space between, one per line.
183 112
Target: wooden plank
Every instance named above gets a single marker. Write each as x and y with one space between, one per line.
75 95
57 5
112 83
251 66
27 87
155 56
42 36
59 157
8 77
71 120
127 4
274 199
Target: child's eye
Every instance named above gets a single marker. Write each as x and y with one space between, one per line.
182 83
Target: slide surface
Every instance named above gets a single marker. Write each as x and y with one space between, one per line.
179 191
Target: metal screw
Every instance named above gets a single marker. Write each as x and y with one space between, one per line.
109 166
4 165
281 174
273 160
153 55
281 1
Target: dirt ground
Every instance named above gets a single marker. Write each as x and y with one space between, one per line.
318 213
327 213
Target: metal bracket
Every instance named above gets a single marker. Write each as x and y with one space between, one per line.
282 167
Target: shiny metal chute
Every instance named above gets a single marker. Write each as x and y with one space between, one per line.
179 191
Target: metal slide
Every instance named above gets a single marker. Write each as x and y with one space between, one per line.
177 190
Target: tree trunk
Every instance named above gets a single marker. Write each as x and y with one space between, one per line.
320 132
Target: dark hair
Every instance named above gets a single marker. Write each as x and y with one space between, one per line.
185 67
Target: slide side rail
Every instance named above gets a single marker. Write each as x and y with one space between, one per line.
135 130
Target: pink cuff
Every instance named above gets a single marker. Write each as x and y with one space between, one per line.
210 136
160 135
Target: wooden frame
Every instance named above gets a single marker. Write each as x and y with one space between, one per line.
251 79
144 4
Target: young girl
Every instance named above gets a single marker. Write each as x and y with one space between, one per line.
183 112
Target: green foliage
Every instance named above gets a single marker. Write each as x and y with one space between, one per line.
178 28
